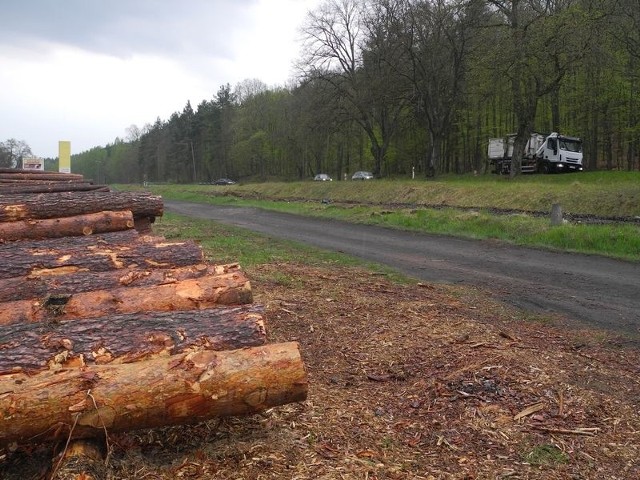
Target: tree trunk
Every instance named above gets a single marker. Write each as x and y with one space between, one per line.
71 280
180 389
27 175
42 187
35 347
101 222
109 251
193 294
64 204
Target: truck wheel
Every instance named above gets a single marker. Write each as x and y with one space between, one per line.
546 168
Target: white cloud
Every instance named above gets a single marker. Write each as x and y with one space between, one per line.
87 73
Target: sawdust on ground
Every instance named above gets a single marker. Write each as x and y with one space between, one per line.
407 381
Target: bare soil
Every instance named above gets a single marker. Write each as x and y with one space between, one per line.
406 381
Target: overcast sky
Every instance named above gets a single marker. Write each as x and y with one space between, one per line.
85 70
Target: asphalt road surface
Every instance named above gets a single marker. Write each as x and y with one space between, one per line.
593 290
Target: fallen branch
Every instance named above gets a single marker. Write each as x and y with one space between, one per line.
586 431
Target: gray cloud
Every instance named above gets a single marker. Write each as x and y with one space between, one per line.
125 27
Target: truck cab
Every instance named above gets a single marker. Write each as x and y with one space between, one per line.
560 153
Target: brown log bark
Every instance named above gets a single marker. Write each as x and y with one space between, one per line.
40 187
192 294
53 205
39 175
35 347
181 389
109 251
77 225
70 280
36 172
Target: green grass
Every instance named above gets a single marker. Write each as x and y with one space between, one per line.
434 206
598 193
546 454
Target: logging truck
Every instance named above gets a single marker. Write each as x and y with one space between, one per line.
542 153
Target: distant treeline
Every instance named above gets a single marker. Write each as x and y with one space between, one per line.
393 86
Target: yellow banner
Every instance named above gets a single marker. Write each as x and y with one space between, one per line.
64 154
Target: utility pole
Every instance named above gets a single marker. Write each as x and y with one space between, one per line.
193 159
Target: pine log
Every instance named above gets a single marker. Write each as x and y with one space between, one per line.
41 187
40 175
71 280
109 251
193 294
77 225
181 389
20 181
37 172
62 204
65 281
35 347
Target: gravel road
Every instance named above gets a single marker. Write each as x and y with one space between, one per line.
592 290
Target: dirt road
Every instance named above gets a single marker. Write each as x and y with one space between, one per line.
596 291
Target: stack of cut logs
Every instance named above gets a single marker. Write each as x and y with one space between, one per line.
106 328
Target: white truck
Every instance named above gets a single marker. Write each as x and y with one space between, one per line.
560 153
546 154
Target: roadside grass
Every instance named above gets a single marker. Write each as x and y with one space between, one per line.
597 193
457 206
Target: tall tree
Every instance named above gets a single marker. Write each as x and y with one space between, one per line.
342 49
437 40
540 43
12 152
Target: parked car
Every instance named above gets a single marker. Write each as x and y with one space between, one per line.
322 177
362 176
224 181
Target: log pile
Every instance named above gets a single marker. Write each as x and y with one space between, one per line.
107 328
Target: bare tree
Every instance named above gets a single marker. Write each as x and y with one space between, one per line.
343 41
12 152
249 88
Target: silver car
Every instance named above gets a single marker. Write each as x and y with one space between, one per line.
362 176
322 177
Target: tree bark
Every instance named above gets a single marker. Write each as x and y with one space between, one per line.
39 175
41 187
192 294
109 251
70 280
36 347
101 222
64 204
180 389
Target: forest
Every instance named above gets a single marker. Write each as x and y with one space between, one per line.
402 86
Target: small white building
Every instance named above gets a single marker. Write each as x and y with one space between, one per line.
33 163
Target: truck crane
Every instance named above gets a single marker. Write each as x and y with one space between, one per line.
542 154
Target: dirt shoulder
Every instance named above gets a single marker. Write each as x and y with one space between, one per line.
407 382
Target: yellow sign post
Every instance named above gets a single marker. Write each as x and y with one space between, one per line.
64 155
